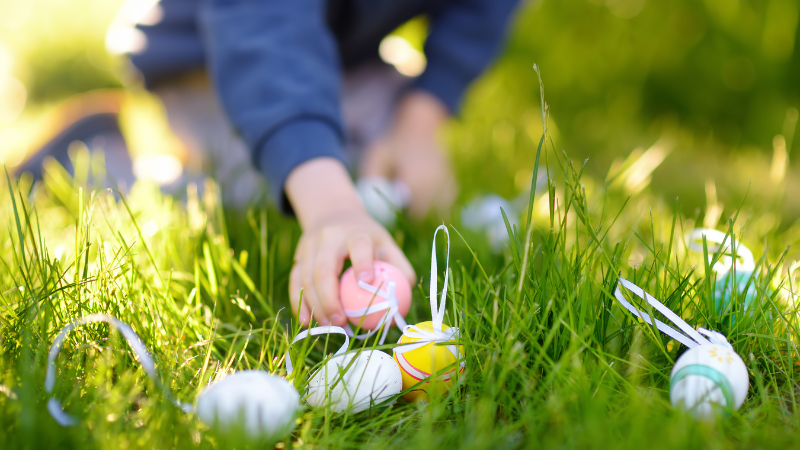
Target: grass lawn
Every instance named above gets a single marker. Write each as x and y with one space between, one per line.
552 360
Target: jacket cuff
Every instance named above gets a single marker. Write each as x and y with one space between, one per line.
291 145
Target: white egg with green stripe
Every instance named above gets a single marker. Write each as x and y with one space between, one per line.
708 380
710 377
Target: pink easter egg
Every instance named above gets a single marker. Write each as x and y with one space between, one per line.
354 297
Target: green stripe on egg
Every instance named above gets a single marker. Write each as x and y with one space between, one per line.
714 375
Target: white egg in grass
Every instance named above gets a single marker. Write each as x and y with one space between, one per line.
382 198
264 406
355 381
484 215
709 379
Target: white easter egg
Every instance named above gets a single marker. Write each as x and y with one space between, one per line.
372 378
709 379
484 215
263 405
382 198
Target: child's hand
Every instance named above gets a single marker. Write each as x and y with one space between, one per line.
320 257
421 165
410 152
335 228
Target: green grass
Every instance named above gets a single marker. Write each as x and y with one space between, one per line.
551 359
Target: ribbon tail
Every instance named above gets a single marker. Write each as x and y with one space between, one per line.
660 307
317 331
384 334
134 342
58 414
400 321
674 318
664 328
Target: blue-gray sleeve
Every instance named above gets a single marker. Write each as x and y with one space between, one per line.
276 68
465 36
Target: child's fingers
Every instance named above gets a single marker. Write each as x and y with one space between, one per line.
327 265
295 287
306 261
310 294
361 252
392 254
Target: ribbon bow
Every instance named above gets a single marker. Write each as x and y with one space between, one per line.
317 331
687 335
721 241
437 311
389 304
134 341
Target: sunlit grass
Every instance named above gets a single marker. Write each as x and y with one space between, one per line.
551 360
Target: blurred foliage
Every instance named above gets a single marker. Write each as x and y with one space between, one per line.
72 71
56 47
709 82
725 69
716 78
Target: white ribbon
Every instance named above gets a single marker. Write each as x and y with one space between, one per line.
437 311
688 337
317 331
137 346
390 305
721 241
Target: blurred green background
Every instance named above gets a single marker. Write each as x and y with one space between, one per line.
720 79
715 82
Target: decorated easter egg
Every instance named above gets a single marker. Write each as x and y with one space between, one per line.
709 379
724 288
355 381
420 363
261 405
354 297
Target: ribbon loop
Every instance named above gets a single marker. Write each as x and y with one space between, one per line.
317 331
136 345
687 335
437 310
722 241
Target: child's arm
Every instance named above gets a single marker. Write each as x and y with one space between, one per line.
410 152
335 226
465 36
277 71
